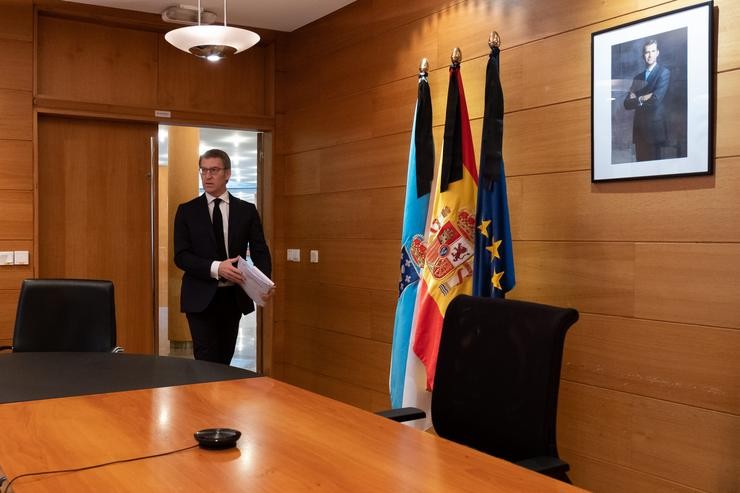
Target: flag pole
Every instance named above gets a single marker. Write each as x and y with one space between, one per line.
456 56
494 40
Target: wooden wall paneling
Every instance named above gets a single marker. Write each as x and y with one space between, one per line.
361 397
393 107
567 206
298 225
361 312
727 114
727 14
16 172
16 64
362 362
598 475
467 24
550 139
8 304
688 364
81 61
589 276
688 283
302 173
345 119
11 276
234 85
299 85
16 222
304 296
304 130
16 108
17 20
398 51
389 14
375 214
691 446
348 70
83 234
373 163
360 263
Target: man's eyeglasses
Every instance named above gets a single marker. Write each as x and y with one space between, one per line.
210 171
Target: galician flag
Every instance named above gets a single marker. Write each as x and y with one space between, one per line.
448 267
418 188
494 257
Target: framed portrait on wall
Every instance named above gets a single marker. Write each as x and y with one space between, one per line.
651 97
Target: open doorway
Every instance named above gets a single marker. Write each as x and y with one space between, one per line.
179 148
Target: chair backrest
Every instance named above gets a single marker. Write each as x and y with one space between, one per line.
65 315
498 374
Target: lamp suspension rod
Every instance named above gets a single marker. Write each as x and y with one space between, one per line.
199 10
224 13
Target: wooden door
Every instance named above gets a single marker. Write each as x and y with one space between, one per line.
95 214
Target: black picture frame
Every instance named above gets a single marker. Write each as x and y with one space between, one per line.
656 123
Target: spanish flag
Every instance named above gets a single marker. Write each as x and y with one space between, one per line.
448 266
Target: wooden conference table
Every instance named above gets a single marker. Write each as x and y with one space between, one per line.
292 440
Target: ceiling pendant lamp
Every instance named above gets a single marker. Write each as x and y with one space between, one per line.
212 42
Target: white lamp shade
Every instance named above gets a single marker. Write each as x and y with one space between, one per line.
185 38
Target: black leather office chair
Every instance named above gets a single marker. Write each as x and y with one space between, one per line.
497 379
65 315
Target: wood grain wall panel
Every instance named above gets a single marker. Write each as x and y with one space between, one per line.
393 107
389 14
692 446
17 20
375 214
360 312
374 163
335 388
591 277
727 12
304 294
598 475
16 114
8 304
306 224
688 282
302 173
11 276
16 65
518 22
568 206
348 70
695 364
299 85
16 171
358 263
363 362
16 221
728 114
398 51
304 130
82 61
530 137
235 85
345 119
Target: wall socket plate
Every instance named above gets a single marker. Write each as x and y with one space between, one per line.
20 257
294 255
314 254
6 258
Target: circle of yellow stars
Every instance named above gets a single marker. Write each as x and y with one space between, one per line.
493 249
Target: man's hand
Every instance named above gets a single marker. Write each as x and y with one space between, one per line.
227 272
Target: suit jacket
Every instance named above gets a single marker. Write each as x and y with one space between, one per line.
650 119
195 250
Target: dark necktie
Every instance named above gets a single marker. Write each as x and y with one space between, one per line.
218 230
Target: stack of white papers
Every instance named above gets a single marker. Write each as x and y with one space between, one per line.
256 284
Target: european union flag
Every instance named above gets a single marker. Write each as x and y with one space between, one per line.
493 270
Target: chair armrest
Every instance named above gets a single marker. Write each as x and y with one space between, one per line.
5 348
550 466
117 349
403 414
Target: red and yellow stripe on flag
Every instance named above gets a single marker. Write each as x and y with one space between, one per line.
448 266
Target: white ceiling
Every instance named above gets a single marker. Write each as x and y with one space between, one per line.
279 15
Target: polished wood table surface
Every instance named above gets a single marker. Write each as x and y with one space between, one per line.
292 440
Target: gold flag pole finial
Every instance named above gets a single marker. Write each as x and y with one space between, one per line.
424 66
494 40
456 56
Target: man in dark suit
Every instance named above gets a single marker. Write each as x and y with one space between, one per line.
646 98
211 231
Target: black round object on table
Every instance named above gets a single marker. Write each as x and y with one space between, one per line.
217 438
